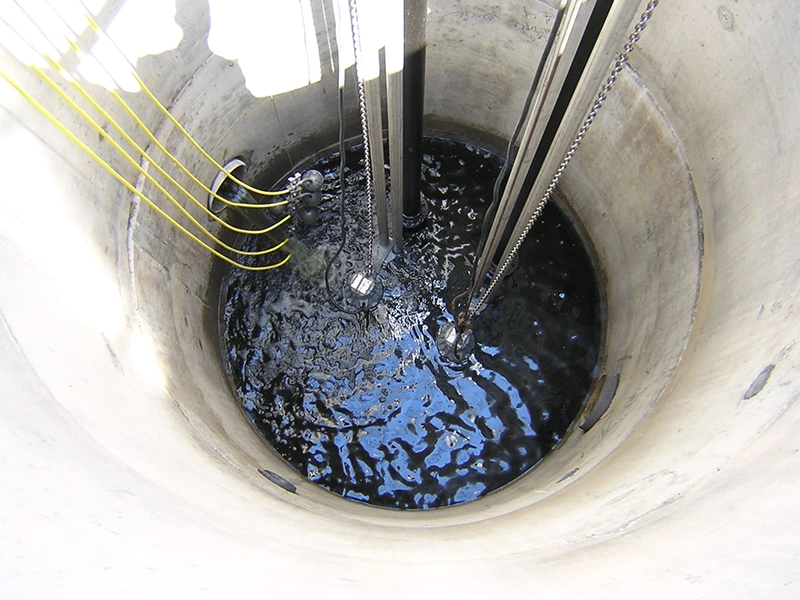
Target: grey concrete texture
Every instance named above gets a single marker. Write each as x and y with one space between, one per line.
129 471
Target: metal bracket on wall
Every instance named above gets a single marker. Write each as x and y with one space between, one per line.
608 388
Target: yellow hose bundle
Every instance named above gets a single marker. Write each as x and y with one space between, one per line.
131 160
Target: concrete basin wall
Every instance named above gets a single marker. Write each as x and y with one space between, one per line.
129 470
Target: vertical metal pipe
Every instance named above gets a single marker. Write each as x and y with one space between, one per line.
590 36
394 107
510 204
372 90
413 106
590 68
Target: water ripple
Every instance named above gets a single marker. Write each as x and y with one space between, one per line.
371 411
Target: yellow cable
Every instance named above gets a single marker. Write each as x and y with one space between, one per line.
138 121
174 121
88 97
180 165
141 170
61 127
132 114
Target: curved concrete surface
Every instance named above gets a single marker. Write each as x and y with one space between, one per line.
128 470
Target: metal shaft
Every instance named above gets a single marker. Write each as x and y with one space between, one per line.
372 90
394 105
413 103
534 207
527 150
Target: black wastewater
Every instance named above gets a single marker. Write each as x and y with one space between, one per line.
365 406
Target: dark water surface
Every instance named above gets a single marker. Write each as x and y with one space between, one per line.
368 409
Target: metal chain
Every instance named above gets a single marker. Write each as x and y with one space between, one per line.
619 64
362 107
